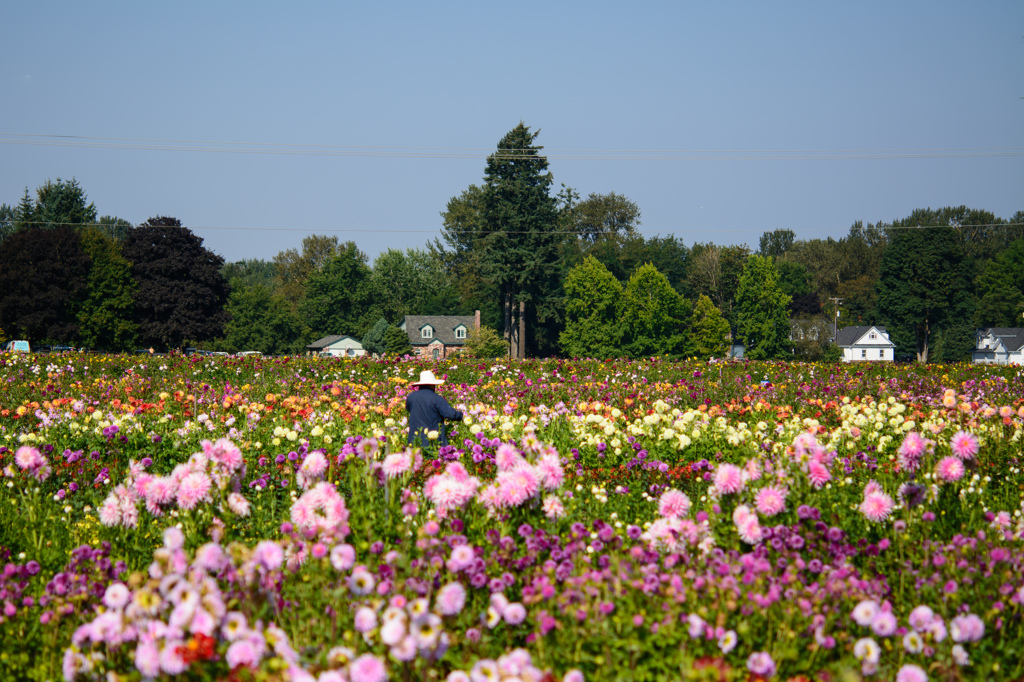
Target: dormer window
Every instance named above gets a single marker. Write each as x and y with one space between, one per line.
873 335
427 332
460 332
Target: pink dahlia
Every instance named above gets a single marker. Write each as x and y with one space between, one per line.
367 668
29 458
193 489
451 599
397 464
876 506
673 503
949 469
964 445
818 474
225 452
911 673
550 471
462 557
507 457
728 479
238 505
314 465
771 500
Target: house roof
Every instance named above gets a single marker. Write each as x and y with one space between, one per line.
320 344
443 325
849 336
1012 338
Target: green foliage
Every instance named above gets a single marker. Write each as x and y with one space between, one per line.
396 341
410 282
261 320
293 269
593 298
521 244
653 315
832 354
922 288
485 343
373 342
181 293
335 296
114 227
62 203
601 216
709 330
761 311
107 315
776 243
1000 289
247 273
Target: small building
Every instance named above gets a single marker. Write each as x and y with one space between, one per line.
999 346
438 336
865 344
337 346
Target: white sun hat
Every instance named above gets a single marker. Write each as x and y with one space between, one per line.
427 378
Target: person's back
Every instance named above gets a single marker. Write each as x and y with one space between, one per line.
427 412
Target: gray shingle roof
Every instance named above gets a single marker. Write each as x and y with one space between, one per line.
1012 337
327 340
848 336
443 326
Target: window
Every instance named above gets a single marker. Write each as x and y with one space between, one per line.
437 353
874 335
864 354
460 332
427 332
881 354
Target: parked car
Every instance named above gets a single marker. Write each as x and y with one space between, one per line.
247 353
20 346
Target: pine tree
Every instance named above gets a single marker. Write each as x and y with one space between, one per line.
373 342
521 243
396 341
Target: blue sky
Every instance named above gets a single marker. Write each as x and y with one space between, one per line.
656 98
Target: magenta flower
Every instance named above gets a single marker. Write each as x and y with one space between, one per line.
728 479
451 599
964 445
367 668
771 500
949 469
193 489
876 506
911 673
673 503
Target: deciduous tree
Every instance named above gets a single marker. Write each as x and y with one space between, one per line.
654 315
761 317
335 299
592 300
181 292
107 315
709 330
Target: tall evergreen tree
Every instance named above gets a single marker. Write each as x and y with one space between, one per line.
373 342
181 294
761 316
62 203
592 300
1000 289
521 242
396 342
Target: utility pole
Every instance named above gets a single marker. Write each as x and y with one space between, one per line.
835 325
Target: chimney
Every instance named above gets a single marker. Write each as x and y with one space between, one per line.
477 323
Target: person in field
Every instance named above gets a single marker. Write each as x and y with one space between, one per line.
428 412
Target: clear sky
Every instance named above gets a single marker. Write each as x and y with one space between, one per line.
719 119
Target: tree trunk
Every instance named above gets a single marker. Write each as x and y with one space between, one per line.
522 330
507 305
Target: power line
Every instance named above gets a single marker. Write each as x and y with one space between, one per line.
482 233
288 149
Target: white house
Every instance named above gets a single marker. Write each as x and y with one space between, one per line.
338 346
865 344
999 345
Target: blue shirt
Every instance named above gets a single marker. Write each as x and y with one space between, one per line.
427 412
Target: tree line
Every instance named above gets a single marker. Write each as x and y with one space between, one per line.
552 272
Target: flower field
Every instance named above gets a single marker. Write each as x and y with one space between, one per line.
261 519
